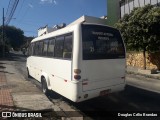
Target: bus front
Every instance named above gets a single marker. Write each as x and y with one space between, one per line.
102 62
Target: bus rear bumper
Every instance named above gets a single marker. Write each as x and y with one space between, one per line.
100 92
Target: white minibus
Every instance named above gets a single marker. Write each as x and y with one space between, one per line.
83 60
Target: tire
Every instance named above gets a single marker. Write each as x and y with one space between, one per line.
44 86
28 75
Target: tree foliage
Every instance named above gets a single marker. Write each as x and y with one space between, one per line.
141 28
14 37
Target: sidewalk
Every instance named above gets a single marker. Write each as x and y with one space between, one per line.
139 71
6 101
143 79
17 93
22 95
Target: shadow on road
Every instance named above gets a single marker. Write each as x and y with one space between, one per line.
14 56
6 72
2 63
148 97
132 99
2 67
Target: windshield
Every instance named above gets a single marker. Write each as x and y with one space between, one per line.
101 42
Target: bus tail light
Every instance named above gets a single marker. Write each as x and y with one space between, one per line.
77 77
77 71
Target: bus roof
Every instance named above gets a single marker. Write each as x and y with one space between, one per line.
89 19
83 19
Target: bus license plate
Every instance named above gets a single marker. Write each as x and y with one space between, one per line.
105 92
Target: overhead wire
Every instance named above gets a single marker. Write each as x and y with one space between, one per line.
8 8
10 11
26 11
20 7
22 20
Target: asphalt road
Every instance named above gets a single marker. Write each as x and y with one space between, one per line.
132 99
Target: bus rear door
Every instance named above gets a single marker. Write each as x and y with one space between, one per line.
103 62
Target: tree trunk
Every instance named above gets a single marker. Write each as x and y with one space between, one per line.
144 59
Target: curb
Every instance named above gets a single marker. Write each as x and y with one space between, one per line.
145 75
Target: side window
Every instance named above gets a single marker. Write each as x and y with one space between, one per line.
40 48
67 51
51 47
29 50
45 47
32 48
36 47
59 47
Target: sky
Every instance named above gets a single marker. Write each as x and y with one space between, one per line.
30 15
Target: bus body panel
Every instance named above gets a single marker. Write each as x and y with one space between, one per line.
77 52
52 67
97 92
58 73
103 73
65 88
96 75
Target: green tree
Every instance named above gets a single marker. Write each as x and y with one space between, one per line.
141 29
14 37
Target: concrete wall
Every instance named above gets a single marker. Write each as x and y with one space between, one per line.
136 59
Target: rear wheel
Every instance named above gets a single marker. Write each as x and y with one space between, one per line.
44 86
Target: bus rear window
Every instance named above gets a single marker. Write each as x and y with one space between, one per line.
101 42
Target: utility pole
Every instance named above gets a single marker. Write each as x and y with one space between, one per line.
3 40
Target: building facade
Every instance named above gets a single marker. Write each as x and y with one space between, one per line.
44 30
113 12
116 9
126 6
